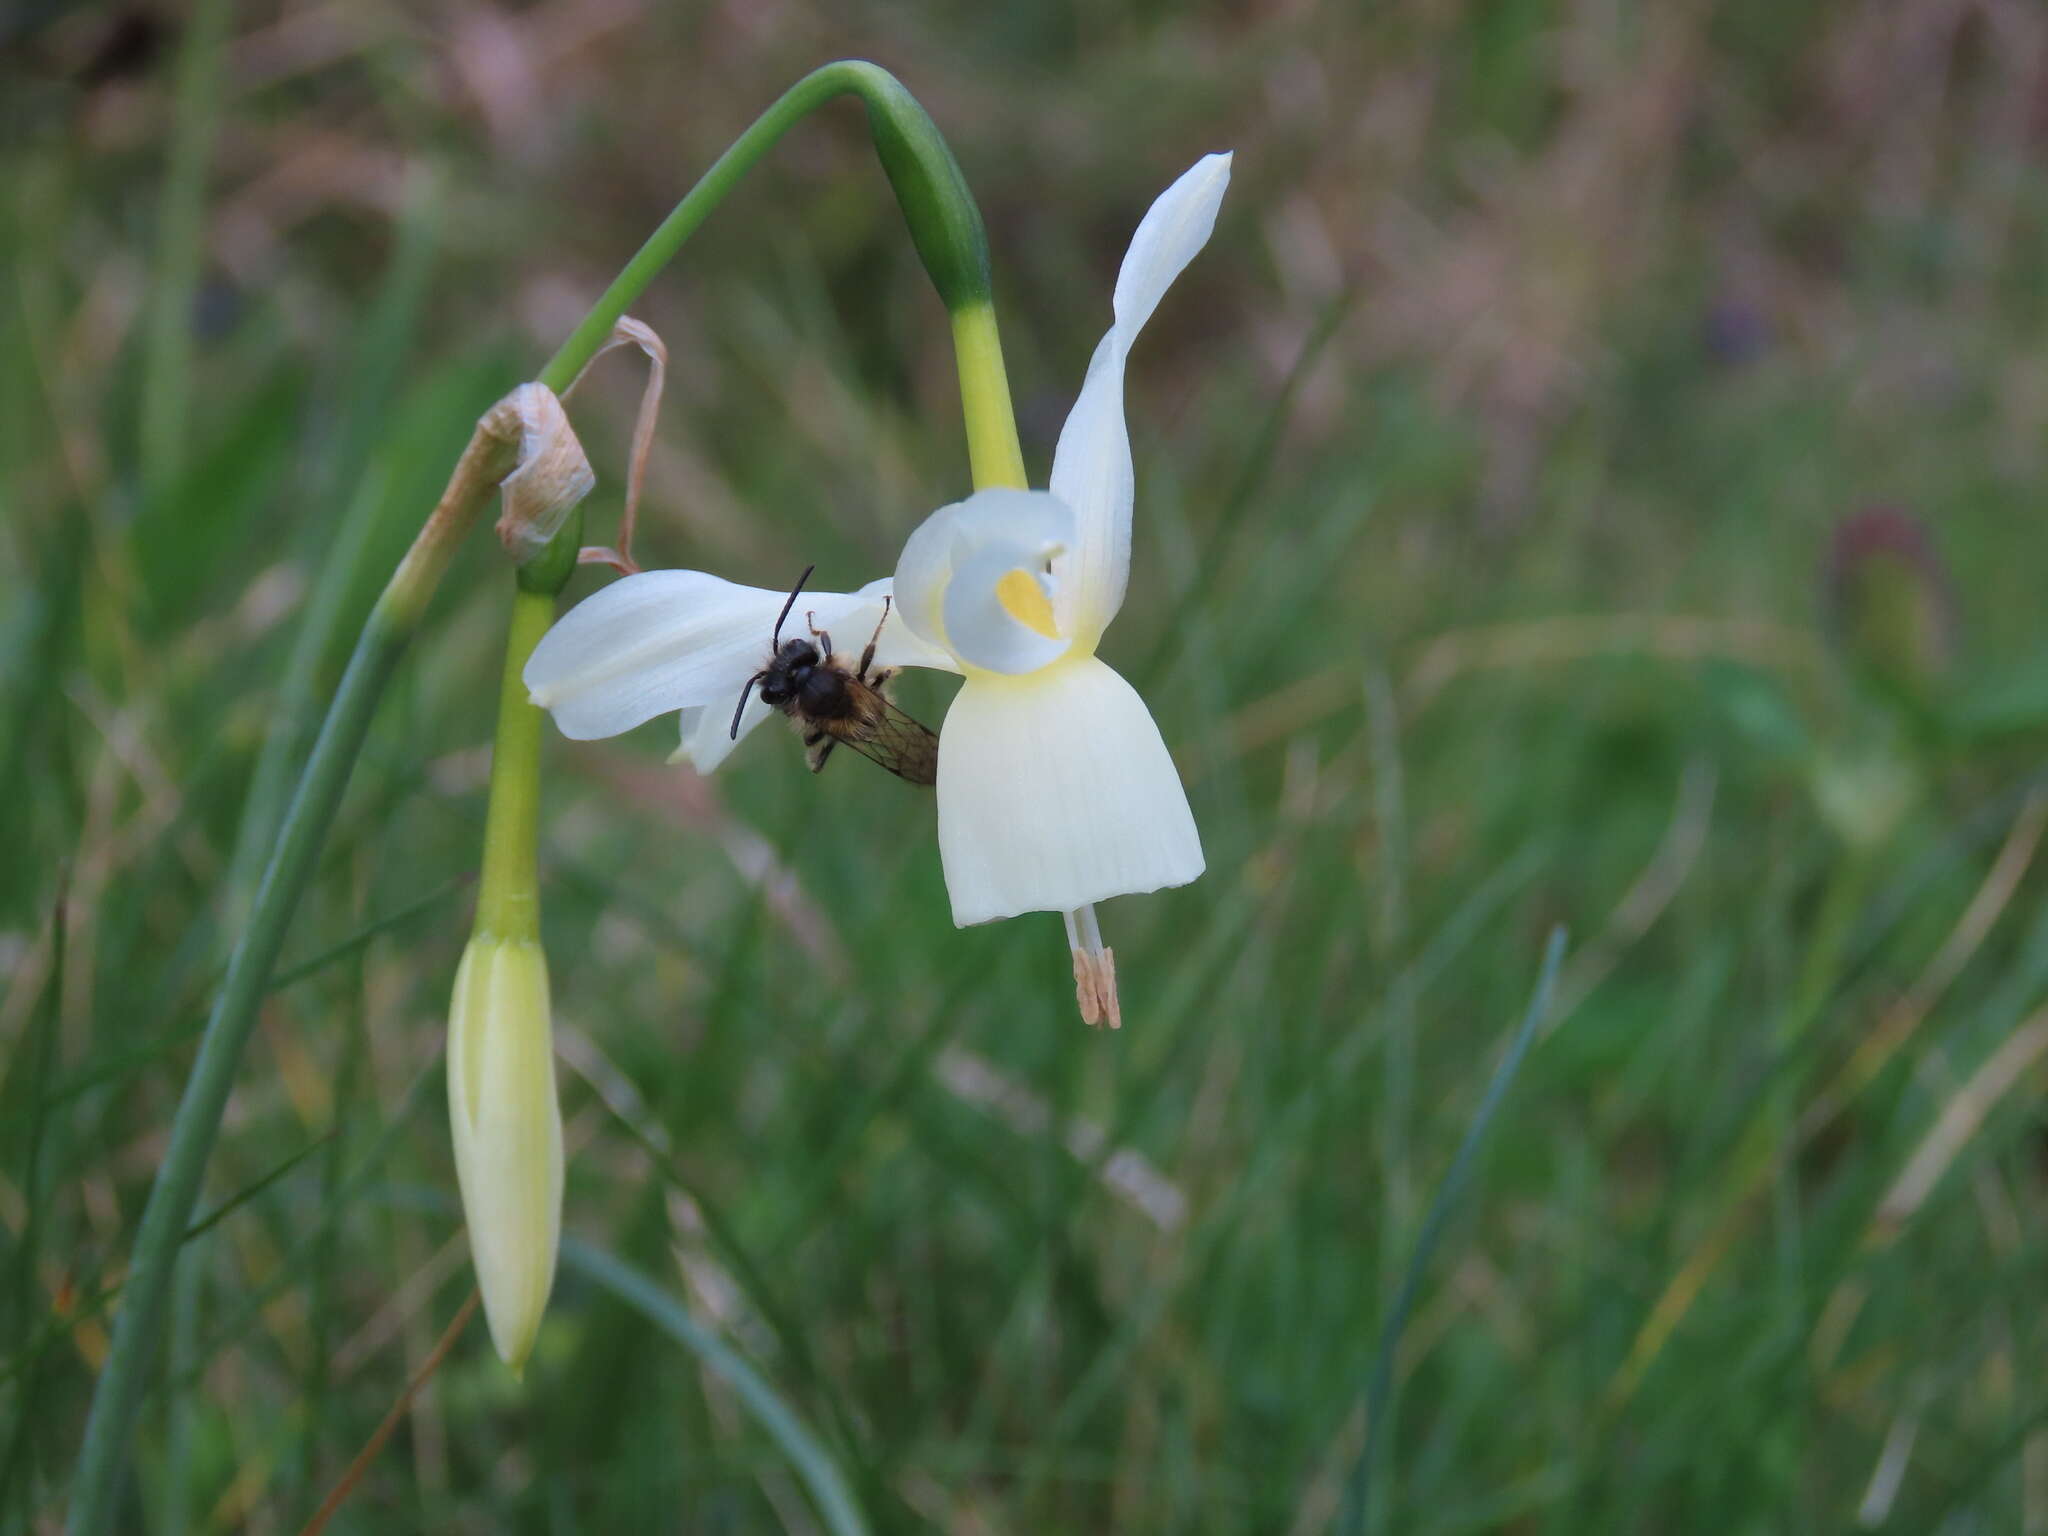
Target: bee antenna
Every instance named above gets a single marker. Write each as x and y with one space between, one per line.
791 603
746 693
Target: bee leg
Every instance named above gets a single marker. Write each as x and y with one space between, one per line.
867 657
822 636
881 678
818 746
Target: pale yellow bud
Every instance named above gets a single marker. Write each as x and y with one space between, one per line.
508 1132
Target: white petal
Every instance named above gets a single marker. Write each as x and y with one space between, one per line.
1055 790
707 738
1176 226
898 645
1092 473
663 640
946 581
1091 468
922 571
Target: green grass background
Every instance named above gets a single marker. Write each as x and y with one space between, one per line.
1488 462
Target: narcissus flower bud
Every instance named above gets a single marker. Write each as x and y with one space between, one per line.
508 1132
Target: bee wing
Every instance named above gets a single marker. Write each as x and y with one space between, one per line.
882 733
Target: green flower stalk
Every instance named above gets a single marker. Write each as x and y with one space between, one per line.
949 238
502 1109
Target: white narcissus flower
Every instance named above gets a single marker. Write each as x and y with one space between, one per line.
507 1129
1055 789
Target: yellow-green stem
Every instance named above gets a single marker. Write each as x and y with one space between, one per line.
508 902
994 457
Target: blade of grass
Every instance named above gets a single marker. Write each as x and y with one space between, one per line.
125 1064
29 1352
1773 1131
118 1396
1274 1159
1251 477
1380 1384
250 1191
287 1273
167 361
230 1331
828 1488
184 1409
42 1048
618 1095
345 566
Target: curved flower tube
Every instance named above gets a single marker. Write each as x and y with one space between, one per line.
1055 789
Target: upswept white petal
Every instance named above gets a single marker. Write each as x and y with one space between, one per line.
1092 473
1174 229
1055 791
948 581
1091 468
667 640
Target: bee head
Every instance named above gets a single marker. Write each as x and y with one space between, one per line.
790 666
786 671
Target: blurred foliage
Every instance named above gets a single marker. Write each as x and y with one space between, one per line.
1488 464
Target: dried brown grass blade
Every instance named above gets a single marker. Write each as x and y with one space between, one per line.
370 1451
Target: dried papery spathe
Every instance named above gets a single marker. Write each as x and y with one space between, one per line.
553 474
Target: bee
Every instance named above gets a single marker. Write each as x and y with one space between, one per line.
833 703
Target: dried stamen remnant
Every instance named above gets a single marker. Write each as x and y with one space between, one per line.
1095 989
1094 971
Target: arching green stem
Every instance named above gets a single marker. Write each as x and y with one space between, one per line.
947 230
